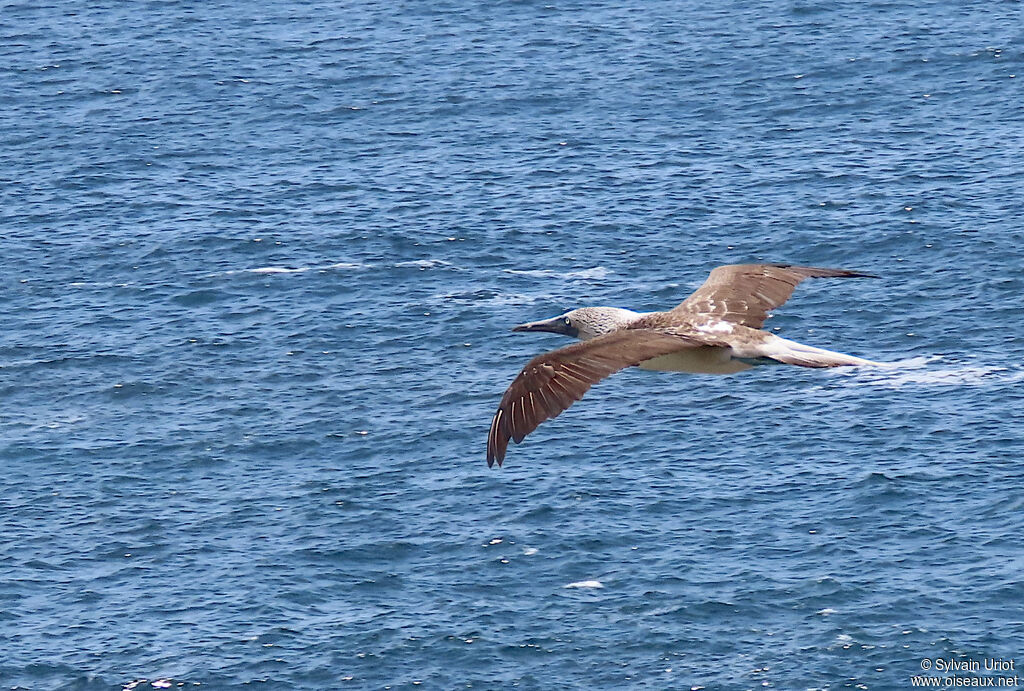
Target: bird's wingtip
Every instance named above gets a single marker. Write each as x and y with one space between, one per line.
493 457
860 274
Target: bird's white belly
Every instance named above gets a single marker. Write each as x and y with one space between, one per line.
703 360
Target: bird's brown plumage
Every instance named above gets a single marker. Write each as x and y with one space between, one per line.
727 311
552 382
745 293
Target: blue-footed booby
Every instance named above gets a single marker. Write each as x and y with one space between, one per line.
717 330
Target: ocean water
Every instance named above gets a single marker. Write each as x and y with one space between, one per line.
259 263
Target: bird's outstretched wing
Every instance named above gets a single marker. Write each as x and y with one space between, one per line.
745 293
552 382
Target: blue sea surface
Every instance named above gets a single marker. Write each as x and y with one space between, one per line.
259 266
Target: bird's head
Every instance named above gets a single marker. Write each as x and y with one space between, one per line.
584 323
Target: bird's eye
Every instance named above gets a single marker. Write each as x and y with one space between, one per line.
565 320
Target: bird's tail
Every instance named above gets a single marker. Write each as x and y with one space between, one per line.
793 353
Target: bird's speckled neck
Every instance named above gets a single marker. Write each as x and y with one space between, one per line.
592 322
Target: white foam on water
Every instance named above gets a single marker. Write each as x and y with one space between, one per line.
513 299
844 639
911 363
916 371
424 263
294 269
99 284
347 265
496 300
279 270
585 584
596 272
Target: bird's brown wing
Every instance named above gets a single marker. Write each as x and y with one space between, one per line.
552 382
745 293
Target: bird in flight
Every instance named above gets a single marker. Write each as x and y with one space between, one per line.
717 330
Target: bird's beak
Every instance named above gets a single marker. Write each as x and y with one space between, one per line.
545 325
555 326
